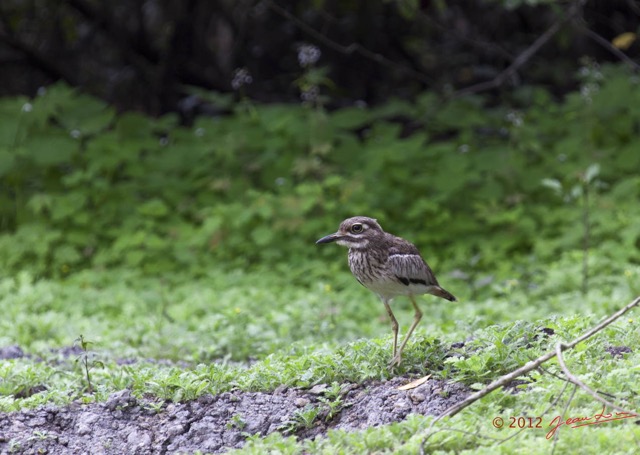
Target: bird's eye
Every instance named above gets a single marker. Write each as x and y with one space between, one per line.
356 228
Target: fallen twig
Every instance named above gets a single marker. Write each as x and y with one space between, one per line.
564 412
573 379
553 403
532 365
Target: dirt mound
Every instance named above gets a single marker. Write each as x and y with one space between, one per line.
124 424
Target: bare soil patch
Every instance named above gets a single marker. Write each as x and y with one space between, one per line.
213 424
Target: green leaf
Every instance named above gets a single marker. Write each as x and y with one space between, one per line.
591 173
51 149
553 184
155 208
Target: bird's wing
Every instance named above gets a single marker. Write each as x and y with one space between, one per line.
408 266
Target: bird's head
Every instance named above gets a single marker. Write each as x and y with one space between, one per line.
355 232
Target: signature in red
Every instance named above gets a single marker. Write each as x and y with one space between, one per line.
575 422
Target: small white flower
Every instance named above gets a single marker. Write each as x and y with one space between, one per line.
310 94
241 76
308 55
515 118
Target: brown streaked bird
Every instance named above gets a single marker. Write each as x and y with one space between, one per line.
388 265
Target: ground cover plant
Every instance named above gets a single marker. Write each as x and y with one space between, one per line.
151 272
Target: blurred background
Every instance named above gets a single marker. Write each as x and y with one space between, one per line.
151 55
173 136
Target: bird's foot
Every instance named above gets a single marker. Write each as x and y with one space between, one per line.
395 361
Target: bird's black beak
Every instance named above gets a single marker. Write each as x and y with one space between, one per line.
329 238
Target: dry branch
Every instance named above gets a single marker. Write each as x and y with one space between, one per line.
353 48
611 48
573 379
534 364
522 58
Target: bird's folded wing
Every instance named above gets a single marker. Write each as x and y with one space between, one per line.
409 267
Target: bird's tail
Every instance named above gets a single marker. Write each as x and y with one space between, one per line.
440 292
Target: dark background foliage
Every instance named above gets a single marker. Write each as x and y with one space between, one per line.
483 130
146 55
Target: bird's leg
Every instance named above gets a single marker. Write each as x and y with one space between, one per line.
394 325
416 319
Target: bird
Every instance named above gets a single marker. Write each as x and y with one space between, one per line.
388 265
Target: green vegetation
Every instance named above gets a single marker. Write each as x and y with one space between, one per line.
82 187
185 257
